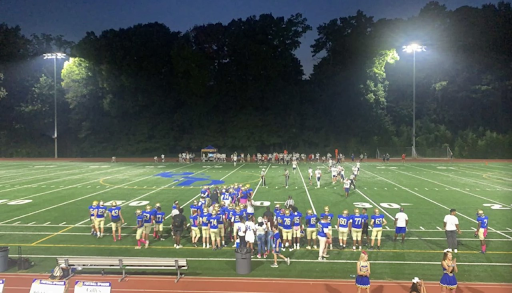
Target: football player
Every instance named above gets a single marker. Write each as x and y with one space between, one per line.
481 229
356 227
205 228
311 228
294 165
263 182
343 222
310 173
222 221
117 220
99 218
230 216
318 175
324 238
159 221
287 229
92 211
153 214
365 225
346 186
237 222
297 227
140 230
194 233
334 172
213 227
377 221
148 222
329 217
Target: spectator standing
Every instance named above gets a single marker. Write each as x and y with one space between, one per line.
401 221
178 224
451 228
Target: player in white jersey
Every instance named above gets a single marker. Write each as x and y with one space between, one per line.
358 166
317 156
318 175
346 186
114 160
334 172
294 165
163 158
330 163
310 172
354 171
156 159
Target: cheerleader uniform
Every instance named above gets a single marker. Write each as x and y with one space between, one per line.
448 280
363 281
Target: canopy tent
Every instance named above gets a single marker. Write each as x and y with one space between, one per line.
209 149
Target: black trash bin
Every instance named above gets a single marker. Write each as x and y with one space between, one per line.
4 258
243 261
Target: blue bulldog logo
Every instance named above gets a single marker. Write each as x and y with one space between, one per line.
186 178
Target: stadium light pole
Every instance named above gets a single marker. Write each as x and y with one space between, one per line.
55 56
413 48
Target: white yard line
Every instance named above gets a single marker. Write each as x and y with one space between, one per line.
463 178
486 170
301 260
376 205
67 187
434 202
220 179
29 171
307 191
86 196
44 175
457 189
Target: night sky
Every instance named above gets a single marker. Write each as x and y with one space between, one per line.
72 18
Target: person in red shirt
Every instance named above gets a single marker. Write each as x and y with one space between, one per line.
403 158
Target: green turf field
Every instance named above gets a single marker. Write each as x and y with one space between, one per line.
44 209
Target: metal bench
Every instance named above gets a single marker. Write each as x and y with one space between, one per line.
124 263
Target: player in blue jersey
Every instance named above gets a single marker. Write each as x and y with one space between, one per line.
117 220
148 222
230 214
364 214
481 229
92 210
221 212
194 227
140 230
377 221
154 211
297 227
343 223
159 222
205 229
356 227
287 220
329 216
213 226
99 218
276 249
225 198
324 237
237 223
311 221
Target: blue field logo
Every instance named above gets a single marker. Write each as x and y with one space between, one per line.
186 179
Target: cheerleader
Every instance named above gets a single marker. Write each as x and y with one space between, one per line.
363 273
448 280
417 286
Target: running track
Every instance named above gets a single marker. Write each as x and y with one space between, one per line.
17 283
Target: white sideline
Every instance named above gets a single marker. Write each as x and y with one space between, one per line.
457 189
59 179
426 198
86 196
306 188
301 260
22 170
44 175
465 179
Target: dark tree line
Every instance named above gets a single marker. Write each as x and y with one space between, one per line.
147 89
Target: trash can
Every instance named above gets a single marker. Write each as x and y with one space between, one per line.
4 258
243 261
